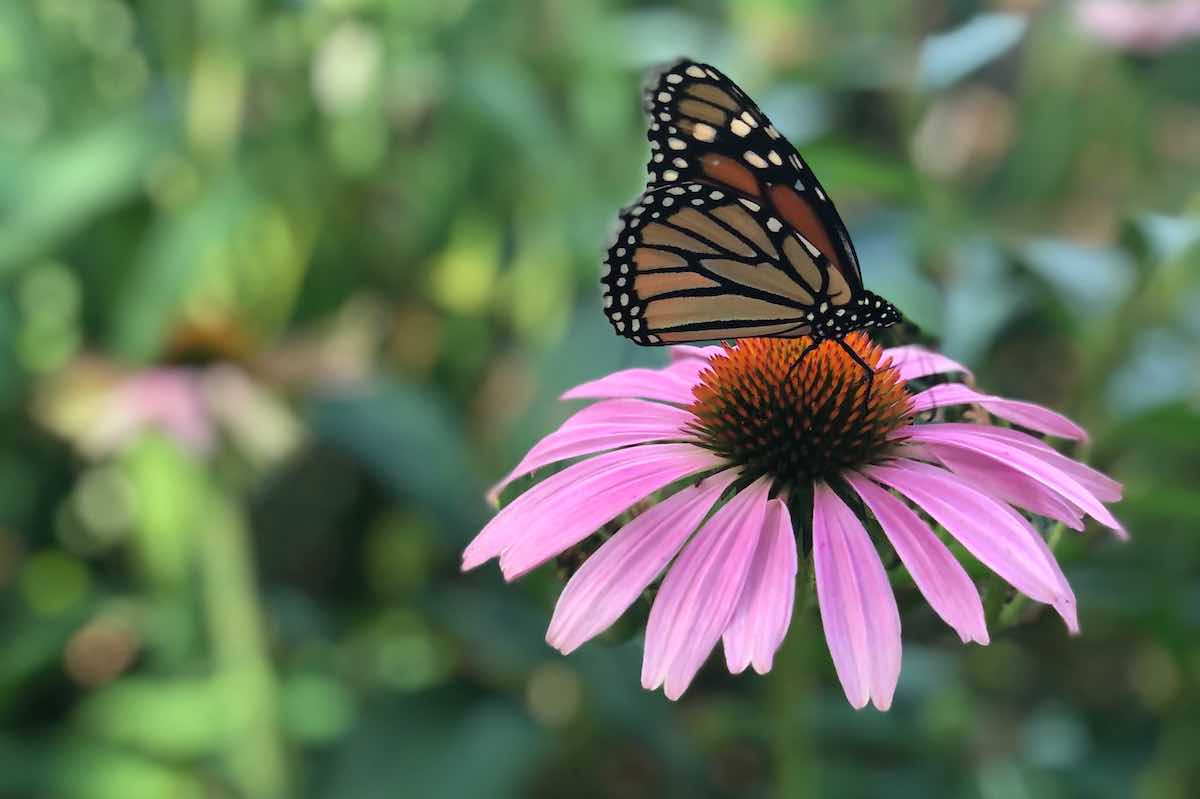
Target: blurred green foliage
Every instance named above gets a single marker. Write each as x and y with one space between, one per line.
284 284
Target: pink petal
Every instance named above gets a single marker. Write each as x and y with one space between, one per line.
569 506
672 384
1025 414
764 610
1099 484
605 425
1008 485
612 578
701 591
858 610
914 362
1008 458
682 351
940 577
989 529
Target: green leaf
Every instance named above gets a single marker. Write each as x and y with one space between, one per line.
57 190
177 250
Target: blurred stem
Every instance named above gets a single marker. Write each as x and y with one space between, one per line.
254 750
791 689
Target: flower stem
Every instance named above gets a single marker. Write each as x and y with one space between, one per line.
792 688
254 751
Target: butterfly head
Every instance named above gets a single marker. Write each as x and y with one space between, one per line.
867 311
879 311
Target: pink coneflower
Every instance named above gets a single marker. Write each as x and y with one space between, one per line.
1141 27
735 443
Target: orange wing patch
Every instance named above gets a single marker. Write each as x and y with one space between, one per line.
728 171
796 211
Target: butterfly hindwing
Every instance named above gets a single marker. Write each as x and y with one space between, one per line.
696 262
704 128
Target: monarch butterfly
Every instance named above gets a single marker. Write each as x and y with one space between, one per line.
733 236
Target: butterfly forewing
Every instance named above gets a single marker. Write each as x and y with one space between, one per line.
704 129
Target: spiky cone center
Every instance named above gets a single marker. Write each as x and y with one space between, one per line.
796 422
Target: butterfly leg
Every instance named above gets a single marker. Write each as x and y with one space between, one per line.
799 360
866 368
803 354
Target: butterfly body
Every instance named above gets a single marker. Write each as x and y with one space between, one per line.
733 237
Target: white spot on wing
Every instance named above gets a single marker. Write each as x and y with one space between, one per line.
704 132
774 225
695 71
676 144
753 206
754 159
674 78
664 97
739 127
670 174
774 158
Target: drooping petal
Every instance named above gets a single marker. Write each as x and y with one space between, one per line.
989 529
584 507
1006 484
914 362
939 576
1026 414
617 573
701 591
1004 457
568 506
1103 487
672 384
682 351
858 610
603 426
764 610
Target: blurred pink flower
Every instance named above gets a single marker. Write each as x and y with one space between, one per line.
167 399
750 439
102 408
1140 26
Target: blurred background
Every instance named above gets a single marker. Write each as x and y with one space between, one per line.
284 284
